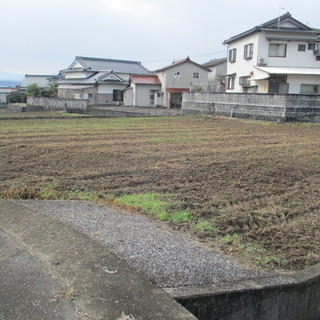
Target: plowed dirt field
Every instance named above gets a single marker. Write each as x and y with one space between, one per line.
258 183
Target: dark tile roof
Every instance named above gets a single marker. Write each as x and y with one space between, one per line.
273 25
214 62
117 66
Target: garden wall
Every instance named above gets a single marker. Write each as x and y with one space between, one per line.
55 104
256 106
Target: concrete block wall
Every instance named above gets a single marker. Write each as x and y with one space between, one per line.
256 106
55 104
258 299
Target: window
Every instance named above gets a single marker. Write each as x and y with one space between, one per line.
277 50
309 89
90 95
232 55
248 51
78 95
311 46
231 82
244 81
302 47
117 95
176 75
196 75
151 98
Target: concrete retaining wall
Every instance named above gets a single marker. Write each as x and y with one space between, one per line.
52 104
256 106
15 107
257 299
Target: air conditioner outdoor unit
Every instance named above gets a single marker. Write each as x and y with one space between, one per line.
262 61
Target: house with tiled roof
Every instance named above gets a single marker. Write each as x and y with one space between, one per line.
41 80
99 80
280 56
143 91
178 77
217 76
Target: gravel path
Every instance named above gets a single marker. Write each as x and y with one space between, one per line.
168 259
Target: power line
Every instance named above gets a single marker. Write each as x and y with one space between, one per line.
198 56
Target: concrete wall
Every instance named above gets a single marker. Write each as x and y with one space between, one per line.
50 104
258 299
255 106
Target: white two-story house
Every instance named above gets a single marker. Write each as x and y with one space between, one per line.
280 56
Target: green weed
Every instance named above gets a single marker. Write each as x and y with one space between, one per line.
148 202
180 217
274 261
155 204
233 239
50 191
204 226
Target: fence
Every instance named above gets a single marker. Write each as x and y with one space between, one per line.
256 106
55 104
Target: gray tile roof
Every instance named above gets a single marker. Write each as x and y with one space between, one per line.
214 62
117 66
41 80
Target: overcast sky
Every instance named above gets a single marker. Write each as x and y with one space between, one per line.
44 36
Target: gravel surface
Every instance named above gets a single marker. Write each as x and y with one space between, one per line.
167 259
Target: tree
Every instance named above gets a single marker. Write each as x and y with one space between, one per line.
51 92
17 97
33 90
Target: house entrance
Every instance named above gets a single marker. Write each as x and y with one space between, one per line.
175 100
278 85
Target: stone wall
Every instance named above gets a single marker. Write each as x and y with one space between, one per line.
55 104
256 106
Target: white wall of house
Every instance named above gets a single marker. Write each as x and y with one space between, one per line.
77 75
142 95
261 42
294 58
295 82
242 67
3 97
128 97
107 88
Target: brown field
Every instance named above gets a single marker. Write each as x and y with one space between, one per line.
256 182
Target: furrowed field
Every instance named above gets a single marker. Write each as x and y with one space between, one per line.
251 189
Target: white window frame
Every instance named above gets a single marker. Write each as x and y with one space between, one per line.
233 55
176 75
276 51
309 88
231 82
196 75
302 47
248 51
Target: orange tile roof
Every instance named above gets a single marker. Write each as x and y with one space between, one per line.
145 79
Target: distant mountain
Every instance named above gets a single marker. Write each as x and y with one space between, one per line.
8 83
11 76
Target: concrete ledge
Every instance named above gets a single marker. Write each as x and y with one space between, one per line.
104 285
263 299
